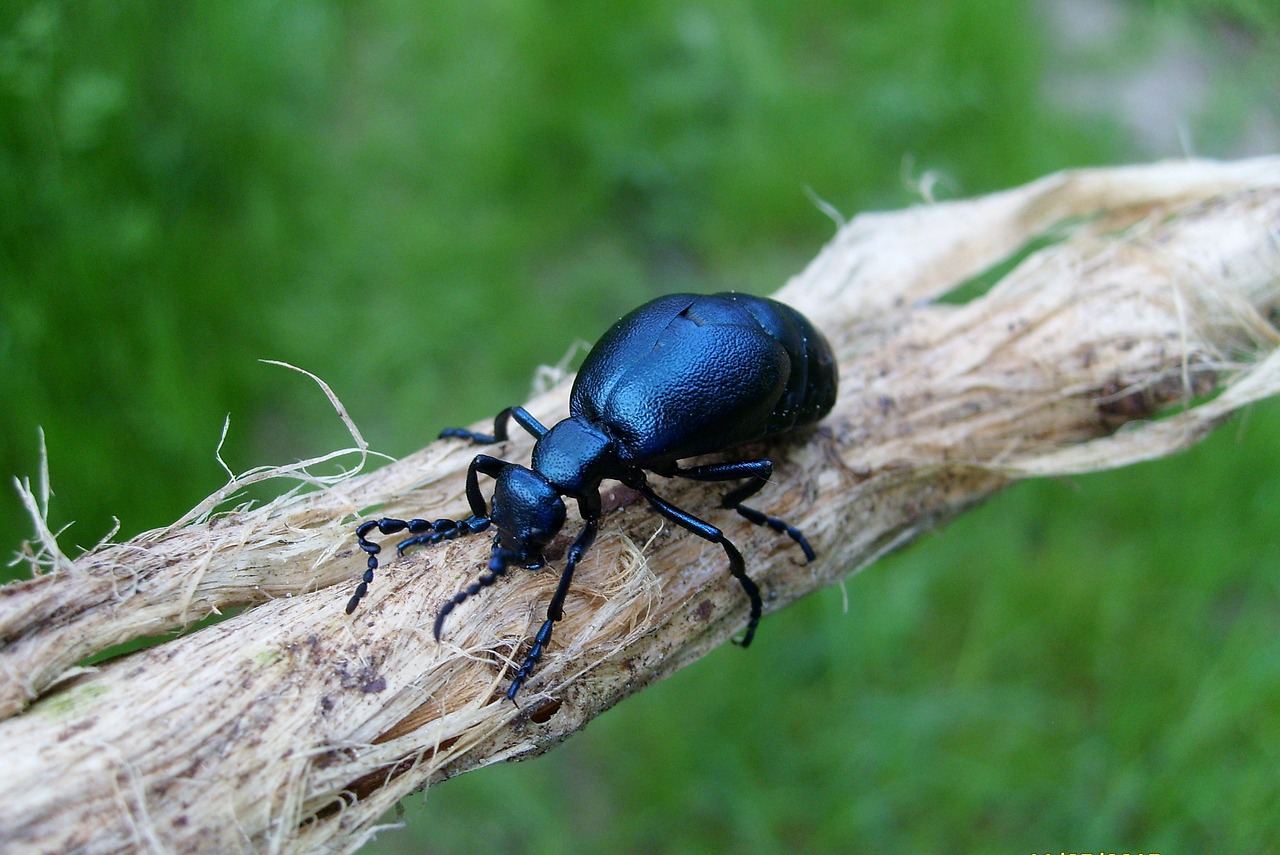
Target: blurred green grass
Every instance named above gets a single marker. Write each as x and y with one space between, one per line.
421 202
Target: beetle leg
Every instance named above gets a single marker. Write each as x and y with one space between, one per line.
707 531
481 464
522 416
555 611
758 471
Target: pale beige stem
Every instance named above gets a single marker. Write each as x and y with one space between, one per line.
292 727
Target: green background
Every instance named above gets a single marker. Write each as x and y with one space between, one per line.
421 202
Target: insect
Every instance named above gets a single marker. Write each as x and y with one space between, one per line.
681 376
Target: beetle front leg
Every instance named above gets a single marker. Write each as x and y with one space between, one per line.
555 611
522 416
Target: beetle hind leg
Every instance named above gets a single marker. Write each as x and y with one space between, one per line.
757 472
778 525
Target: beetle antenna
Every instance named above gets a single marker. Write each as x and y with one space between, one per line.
500 559
423 531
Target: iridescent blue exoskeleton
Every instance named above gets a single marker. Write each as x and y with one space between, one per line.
681 376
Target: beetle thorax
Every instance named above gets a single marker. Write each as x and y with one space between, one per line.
575 456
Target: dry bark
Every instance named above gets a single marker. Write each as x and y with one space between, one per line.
292 727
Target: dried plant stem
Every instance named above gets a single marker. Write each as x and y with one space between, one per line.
291 727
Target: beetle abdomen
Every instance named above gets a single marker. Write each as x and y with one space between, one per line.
692 396
811 389
690 374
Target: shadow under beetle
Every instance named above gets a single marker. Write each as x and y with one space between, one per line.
681 376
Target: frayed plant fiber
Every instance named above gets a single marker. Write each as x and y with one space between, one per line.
1147 317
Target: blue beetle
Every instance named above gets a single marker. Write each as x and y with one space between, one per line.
681 376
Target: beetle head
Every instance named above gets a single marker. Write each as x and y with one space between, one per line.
527 512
